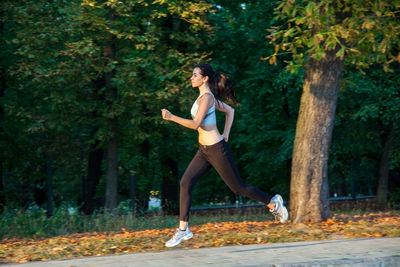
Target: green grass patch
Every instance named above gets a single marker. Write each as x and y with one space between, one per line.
18 223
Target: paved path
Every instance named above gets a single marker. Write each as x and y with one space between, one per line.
353 252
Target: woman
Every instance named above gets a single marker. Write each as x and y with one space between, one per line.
213 148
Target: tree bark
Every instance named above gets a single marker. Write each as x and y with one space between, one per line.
309 195
49 186
2 193
170 186
95 157
112 168
383 181
2 90
142 195
112 148
132 190
94 173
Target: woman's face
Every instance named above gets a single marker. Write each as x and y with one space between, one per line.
197 79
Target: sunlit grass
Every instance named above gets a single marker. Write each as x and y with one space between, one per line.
18 223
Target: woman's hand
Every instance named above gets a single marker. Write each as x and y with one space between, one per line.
166 115
229 114
226 137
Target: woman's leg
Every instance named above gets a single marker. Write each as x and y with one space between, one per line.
197 168
221 159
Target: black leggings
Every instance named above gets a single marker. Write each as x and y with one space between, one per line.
218 156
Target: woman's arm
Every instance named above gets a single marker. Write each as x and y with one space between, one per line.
205 102
229 115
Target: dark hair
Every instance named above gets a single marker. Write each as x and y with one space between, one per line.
219 84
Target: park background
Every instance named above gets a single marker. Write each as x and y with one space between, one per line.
83 84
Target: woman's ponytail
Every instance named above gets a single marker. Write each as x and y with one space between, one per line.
223 88
220 85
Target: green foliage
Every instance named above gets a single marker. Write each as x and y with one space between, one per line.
394 199
55 102
362 32
367 103
55 86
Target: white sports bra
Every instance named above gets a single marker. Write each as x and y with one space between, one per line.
210 117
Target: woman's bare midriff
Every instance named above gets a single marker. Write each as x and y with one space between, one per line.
209 135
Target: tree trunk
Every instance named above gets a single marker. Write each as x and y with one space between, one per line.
112 148
95 157
93 177
49 186
2 193
132 190
142 195
170 186
309 195
383 181
112 168
2 90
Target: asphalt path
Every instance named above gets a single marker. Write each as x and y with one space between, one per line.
348 252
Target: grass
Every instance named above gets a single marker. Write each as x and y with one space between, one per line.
18 223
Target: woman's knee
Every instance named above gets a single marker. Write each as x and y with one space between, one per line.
185 184
239 190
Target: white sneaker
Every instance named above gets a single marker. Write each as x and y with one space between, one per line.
280 212
178 237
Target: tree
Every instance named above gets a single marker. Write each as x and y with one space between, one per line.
322 36
32 44
92 81
376 98
110 51
367 107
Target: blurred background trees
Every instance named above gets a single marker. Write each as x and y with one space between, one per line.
83 83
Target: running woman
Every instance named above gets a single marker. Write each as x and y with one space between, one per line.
213 148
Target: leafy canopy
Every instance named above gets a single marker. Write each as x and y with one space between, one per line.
365 31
